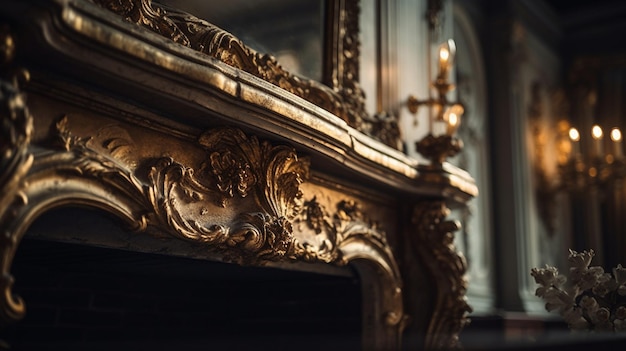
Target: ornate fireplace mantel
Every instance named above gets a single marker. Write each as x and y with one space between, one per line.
202 145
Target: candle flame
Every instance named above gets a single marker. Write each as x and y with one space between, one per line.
616 135
573 134
596 132
453 119
444 54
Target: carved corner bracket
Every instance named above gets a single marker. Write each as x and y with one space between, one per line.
433 241
344 233
341 95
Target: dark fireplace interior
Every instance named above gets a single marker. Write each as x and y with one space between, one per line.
92 298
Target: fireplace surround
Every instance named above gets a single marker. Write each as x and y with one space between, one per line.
119 110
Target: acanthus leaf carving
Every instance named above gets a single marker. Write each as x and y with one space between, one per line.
158 201
335 229
433 240
16 131
276 170
343 96
143 13
347 235
243 163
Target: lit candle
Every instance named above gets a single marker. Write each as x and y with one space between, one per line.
616 136
453 118
446 57
596 134
574 136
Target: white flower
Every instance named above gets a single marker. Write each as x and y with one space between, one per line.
589 304
576 274
545 276
605 285
590 278
592 300
580 260
619 273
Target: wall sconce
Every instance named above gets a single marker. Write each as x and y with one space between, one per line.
597 166
444 116
577 170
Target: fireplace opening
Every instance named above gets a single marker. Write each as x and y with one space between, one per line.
80 296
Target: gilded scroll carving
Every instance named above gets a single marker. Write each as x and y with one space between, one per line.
345 234
433 240
202 36
347 220
241 200
328 226
15 161
237 166
343 96
166 198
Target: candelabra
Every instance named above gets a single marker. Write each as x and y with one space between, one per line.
444 116
595 168
599 165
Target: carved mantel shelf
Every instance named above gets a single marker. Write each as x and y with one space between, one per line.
185 147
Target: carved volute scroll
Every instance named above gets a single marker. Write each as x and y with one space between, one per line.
241 202
341 95
344 234
15 161
238 169
433 241
238 197
185 183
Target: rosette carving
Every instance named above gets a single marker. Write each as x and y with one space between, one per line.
433 241
237 166
241 202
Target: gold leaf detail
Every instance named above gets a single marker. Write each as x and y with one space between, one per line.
343 96
16 130
433 240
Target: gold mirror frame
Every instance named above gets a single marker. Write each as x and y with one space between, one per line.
338 93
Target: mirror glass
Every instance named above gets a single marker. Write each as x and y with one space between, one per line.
291 31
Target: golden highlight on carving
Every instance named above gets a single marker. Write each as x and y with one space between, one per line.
433 240
237 165
16 129
225 193
239 171
343 95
